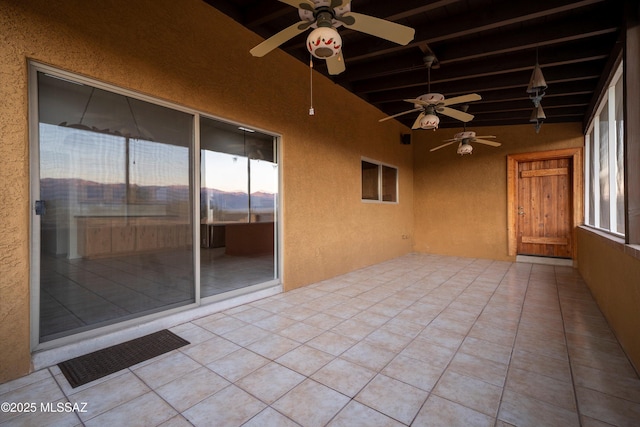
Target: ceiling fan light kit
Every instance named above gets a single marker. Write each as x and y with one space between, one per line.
324 42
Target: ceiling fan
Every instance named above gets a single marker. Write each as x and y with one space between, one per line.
465 139
324 42
432 103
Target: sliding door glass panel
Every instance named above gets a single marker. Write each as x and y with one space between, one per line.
239 190
116 223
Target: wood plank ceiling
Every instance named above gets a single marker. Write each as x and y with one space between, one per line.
487 47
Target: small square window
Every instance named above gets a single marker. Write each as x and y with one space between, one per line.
379 182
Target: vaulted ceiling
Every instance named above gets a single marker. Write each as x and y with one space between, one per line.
487 47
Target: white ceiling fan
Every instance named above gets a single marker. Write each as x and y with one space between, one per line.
324 41
464 140
432 103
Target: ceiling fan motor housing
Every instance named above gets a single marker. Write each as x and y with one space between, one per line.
430 98
324 6
465 135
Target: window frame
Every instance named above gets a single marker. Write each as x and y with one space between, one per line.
593 139
380 182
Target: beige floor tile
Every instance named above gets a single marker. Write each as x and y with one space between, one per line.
166 369
331 343
610 361
442 337
323 321
492 333
176 421
311 404
301 332
607 408
238 364
273 346
211 350
246 335
417 373
439 412
184 392
270 382
393 398
358 415
621 386
543 388
146 410
343 376
402 327
229 407
305 360
270 418
44 390
223 325
344 311
192 333
32 378
354 329
543 365
275 323
427 351
251 314
525 411
486 350
470 392
368 355
388 340
483 369
110 394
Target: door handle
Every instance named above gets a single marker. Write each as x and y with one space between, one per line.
41 207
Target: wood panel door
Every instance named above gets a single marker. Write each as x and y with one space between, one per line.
544 208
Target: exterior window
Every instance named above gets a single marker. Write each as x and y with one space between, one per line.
604 166
379 182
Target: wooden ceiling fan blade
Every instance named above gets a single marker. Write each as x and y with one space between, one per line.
416 124
442 146
486 136
462 99
456 114
484 141
278 39
300 4
335 64
450 140
378 27
400 114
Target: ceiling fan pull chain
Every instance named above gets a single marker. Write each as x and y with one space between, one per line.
311 110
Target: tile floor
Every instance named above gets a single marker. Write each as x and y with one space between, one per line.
80 294
421 340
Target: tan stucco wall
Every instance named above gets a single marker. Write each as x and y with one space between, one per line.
461 201
188 53
613 277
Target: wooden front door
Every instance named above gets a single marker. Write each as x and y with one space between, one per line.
545 208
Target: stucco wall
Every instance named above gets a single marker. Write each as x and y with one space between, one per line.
188 53
461 201
613 277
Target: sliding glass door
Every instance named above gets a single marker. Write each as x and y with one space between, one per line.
238 196
114 188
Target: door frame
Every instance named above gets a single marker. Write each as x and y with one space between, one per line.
513 160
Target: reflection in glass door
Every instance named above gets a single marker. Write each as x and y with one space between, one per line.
115 207
238 197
